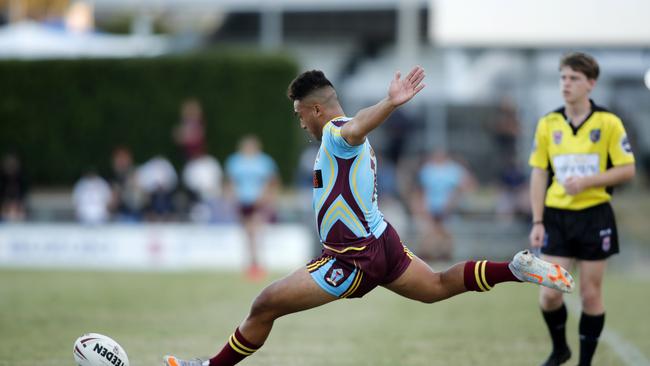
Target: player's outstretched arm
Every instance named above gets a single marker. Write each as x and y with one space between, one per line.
400 91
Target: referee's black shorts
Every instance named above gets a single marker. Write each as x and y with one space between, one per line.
587 234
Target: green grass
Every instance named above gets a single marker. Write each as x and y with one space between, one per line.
191 314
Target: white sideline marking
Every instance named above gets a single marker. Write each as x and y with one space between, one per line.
626 351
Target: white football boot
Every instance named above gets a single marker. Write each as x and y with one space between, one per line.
529 268
173 361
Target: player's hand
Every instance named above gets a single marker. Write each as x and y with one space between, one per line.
401 90
536 236
574 185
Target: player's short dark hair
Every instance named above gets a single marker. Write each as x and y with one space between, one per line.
581 62
307 82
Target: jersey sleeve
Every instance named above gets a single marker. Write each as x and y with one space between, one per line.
619 149
336 144
539 153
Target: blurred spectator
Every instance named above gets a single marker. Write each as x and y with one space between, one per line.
189 134
388 194
305 172
158 179
442 182
397 128
252 175
128 199
203 177
91 196
304 184
513 199
507 130
13 189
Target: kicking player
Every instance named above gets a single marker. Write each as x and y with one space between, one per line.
361 250
585 150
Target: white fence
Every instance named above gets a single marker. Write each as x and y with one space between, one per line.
149 247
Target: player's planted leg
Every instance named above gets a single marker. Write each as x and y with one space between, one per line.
294 293
173 361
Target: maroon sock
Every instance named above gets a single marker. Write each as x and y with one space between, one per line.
483 275
234 351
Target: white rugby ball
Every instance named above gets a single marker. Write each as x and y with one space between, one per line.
94 349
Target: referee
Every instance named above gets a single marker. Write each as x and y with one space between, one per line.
581 150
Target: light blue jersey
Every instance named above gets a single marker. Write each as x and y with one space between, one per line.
250 175
345 189
439 182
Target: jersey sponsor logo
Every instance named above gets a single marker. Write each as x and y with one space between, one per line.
336 275
317 179
557 137
575 165
625 144
594 135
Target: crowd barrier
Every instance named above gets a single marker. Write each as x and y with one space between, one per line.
149 246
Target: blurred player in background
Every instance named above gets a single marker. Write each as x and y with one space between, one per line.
360 249
252 176
442 182
584 149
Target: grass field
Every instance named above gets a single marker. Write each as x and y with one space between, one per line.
191 314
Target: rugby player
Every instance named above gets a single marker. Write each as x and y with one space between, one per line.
361 250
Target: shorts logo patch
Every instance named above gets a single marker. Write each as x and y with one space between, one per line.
607 243
318 179
557 137
625 144
606 239
594 135
335 276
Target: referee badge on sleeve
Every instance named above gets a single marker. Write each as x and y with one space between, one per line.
625 144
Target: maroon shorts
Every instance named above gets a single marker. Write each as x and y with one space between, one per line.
247 210
354 269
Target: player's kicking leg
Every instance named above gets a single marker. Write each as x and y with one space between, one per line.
294 293
420 282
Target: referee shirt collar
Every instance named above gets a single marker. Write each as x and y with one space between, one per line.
593 109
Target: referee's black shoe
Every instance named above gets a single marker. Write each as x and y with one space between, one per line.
558 358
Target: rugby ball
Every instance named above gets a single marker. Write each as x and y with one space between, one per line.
94 349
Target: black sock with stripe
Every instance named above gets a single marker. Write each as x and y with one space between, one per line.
483 275
234 351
